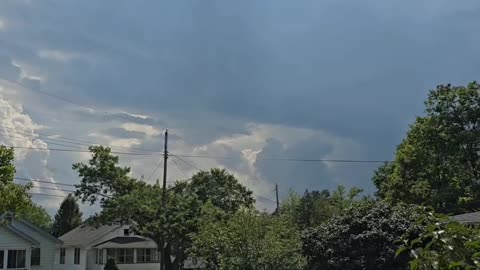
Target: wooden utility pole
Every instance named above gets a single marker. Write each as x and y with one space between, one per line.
278 202
165 157
164 191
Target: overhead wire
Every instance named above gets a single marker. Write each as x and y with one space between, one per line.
287 159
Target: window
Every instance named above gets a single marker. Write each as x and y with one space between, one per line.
124 255
147 255
76 258
62 256
99 259
110 253
16 259
126 232
1 258
121 255
35 260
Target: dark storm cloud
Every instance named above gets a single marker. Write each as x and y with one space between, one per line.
357 69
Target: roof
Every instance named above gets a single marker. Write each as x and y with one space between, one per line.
40 231
19 231
124 240
84 235
22 234
468 219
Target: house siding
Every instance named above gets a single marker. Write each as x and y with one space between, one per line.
9 239
47 247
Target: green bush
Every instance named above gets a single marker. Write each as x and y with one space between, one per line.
111 265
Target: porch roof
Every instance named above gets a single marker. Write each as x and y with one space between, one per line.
127 242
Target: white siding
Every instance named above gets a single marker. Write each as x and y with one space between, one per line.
47 247
70 259
10 239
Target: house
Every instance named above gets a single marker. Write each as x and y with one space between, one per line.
25 246
471 219
88 248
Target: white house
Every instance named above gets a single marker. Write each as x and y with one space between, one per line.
88 248
24 246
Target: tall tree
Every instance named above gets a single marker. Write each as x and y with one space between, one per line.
126 200
438 163
68 217
13 197
219 187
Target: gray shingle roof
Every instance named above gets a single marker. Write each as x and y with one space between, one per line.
468 219
84 235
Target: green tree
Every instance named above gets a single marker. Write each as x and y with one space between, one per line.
443 244
362 237
111 265
219 187
13 197
438 163
126 200
37 215
317 207
68 216
248 240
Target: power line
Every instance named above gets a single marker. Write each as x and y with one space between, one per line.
48 195
179 167
289 159
87 143
186 162
45 182
56 189
81 151
156 168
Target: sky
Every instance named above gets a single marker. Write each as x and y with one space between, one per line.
247 80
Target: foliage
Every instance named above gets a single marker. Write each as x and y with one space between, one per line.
443 245
438 163
316 207
13 197
68 217
126 200
362 237
248 240
111 265
219 187
37 215
101 177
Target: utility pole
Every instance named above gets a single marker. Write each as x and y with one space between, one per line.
164 191
165 157
278 202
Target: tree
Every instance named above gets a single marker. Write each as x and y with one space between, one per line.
68 217
443 244
125 200
219 187
38 216
438 163
248 240
317 207
362 237
111 265
13 197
